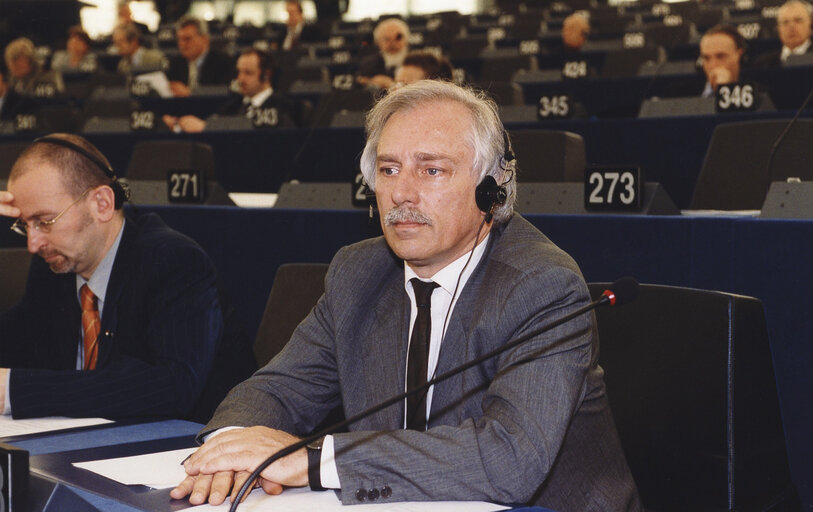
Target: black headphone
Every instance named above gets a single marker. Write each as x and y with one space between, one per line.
488 195
121 192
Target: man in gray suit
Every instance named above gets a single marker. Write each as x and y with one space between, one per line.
530 426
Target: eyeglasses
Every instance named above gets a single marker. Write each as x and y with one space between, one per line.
43 226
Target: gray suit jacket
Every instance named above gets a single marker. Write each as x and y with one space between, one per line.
530 426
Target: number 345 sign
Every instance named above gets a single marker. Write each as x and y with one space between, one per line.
617 189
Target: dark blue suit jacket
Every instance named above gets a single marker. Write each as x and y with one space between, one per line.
161 327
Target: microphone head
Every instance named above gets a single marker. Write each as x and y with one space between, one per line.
622 291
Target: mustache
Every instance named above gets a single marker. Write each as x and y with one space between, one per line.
401 214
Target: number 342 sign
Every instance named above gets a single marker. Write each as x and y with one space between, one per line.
615 189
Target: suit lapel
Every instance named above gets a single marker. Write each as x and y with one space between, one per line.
387 342
119 276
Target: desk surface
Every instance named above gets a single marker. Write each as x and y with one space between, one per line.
54 478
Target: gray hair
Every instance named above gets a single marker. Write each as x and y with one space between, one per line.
398 22
487 137
191 21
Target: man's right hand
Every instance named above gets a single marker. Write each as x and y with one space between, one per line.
217 487
6 208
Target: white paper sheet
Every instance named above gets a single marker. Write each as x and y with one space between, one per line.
11 427
163 470
157 470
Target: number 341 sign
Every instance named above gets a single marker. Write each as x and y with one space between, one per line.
616 189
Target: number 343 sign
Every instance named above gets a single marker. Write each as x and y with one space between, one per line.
615 189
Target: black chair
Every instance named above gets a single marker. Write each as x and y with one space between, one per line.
693 393
14 265
548 155
296 288
738 171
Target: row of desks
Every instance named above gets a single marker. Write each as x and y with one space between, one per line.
669 150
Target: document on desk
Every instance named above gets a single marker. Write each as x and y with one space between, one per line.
157 470
11 427
163 470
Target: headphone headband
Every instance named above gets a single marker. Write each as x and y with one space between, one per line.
106 169
121 191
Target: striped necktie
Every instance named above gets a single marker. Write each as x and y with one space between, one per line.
91 325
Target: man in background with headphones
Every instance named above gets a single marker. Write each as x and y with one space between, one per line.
121 316
455 275
254 74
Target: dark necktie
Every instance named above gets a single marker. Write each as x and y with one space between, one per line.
91 325
419 354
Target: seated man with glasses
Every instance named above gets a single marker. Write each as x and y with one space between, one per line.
378 70
121 316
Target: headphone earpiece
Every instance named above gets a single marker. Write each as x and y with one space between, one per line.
121 191
488 195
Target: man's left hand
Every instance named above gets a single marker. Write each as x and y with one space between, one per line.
245 449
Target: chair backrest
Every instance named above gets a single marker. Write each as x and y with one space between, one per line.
296 288
549 155
14 265
735 173
692 390
9 151
151 159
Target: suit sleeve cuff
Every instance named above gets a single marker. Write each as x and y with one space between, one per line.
7 403
327 466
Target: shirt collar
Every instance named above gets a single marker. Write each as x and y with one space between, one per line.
799 50
101 276
258 99
448 275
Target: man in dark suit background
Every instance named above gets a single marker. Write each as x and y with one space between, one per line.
721 53
296 30
794 25
198 64
121 316
530 426
257 101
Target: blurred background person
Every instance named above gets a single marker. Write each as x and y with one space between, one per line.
423 65
26 76
296 30
198 63
77 55
793 24
575 29
254 75
134 57
391 37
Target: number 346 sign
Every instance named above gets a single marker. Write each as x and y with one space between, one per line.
616 189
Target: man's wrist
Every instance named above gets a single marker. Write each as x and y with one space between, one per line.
314 450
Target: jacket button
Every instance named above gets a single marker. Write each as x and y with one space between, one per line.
386 492
361 494
372 494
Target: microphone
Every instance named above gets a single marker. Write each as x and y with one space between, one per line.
785 132
619 293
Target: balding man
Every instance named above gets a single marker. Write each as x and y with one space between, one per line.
575 29
793 22
121 315
391 36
